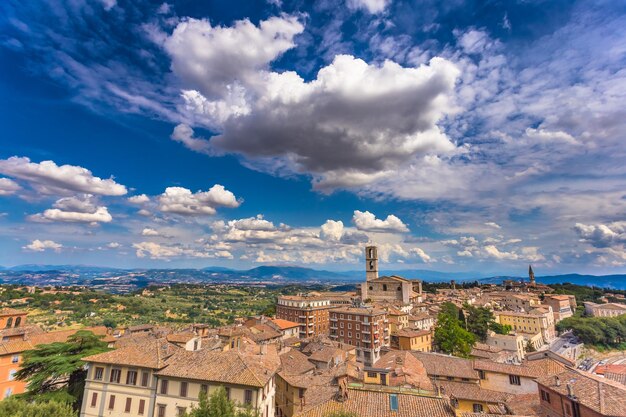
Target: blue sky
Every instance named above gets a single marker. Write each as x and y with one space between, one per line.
457 136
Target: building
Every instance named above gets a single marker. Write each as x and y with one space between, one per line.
363 327
124 380
574 393
520 302
11 318
287 328
561 306
604 310
391 288
412 339
509 342
310 312
537 321
515 379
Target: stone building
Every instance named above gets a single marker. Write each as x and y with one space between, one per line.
387 288
604 310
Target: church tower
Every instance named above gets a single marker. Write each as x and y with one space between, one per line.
531 275
371 263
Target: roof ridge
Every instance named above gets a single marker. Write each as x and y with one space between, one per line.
240 356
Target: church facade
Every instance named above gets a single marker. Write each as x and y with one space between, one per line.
392 288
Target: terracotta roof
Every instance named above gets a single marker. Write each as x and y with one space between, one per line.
363 311
295 362
14 346
406 370
600 395
377 404
151 353
530 369
524 405
615 376
284 324
472 392
183 337
411 333
12 312
437 364
232 367
22 330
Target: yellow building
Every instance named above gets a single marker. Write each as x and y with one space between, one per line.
410 339
537 321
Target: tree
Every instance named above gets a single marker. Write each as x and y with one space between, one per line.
218 405
500 328
56 370
450 336
530 347
17 407
479 320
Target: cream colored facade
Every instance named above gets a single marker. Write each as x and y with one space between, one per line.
530 323
104 396
174 403
511 384
511 342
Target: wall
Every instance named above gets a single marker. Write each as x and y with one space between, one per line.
500 382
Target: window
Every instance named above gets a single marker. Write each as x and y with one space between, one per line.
94 399
341 333
371 374
111 402
116 374
12 374
478 408
393 402
18 321
142 407
131 377
514 380
384 287
450 378
129 403
248 397
98 373
15 359
8 392
144 379
183 389
358 335
227 392
205 388
545 396
161 410
349 334
9 322
300 392
180 411
349 325
164 385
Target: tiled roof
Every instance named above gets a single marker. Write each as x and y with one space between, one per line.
411 333
14 346
183 337
531 369
524 404
363 311
472 392
377 404
600 395
295 362
231 367
444 365
11 312
284 324
406 370
151 353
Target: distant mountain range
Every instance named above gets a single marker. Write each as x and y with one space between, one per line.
101 276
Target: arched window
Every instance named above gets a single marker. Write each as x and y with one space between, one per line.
9 322
18 321
371 265
384 287
399 288
371 288
371 252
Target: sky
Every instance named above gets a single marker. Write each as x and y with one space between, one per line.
456 136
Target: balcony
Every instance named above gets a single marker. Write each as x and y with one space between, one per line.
333 336
311 324
302 317
333 319
333 326
367 340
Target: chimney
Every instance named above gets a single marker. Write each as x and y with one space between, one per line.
570 390
263 349
557 381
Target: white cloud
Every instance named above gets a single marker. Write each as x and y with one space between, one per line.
602 235
139 199
158 251
421 254
180 200
184 134
371 6
113 245
49 178
8 187
252 223
366 221
332 230
79 209
42 245
149 232
494 225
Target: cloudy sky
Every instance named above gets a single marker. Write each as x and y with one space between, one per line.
457 136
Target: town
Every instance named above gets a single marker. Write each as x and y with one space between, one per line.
389 348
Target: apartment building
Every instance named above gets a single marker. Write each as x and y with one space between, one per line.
412 339
310 312
561 306
604 310
247 375
363 327
537 321
123 382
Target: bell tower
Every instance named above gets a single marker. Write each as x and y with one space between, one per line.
531 275
371 263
